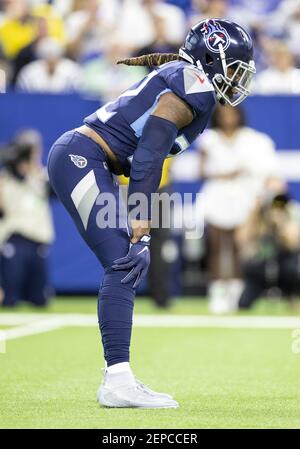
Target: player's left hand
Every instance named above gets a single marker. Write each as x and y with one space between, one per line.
138 259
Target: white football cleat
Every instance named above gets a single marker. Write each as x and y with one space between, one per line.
123 390
152 392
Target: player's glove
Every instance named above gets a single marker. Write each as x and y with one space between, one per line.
138 259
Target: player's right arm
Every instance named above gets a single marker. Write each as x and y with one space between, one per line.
175 111
158 137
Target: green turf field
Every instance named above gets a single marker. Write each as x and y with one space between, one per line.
222 377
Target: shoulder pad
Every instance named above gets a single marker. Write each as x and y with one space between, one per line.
195 81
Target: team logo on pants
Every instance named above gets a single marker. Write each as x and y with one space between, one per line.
79 161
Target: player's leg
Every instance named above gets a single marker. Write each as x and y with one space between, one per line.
288 263
115 310
78 182
37 289
254 282
12 270
78 188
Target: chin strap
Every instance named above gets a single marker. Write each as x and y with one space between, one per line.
199 65
218 79
185 56
223 59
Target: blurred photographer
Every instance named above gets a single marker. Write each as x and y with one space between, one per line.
269 244
25 225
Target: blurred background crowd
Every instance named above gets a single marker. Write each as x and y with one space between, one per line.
72 45
251 240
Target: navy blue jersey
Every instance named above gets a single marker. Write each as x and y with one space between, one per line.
121 122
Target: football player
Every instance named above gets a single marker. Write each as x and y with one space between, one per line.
157 117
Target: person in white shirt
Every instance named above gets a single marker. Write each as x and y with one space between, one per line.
282 77
51 73
236 162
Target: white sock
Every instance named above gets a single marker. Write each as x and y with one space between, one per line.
118 368
218 296
235 288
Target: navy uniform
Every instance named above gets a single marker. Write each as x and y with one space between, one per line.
79 170
121 122
216 64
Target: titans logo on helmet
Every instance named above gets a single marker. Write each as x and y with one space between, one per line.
79 161
214 34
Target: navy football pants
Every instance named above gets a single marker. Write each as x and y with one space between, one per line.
78 172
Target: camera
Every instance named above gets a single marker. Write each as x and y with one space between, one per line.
13 156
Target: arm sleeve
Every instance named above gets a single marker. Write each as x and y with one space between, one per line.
195 89
155 143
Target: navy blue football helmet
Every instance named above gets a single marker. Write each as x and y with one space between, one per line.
224 51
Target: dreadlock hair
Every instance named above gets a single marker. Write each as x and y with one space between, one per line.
153 59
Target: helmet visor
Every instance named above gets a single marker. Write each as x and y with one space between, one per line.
234 87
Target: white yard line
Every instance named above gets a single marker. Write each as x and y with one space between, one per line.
238 322
145 320
31 324
37 327
32 328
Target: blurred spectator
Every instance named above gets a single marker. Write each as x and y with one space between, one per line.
282 77
162 245
52 72
4 75
161 42
269 243
236 161
203 9
55 23
105 79
107 9
88 27
29 53
254 14
19 27
23 24
137 29
287 20
25 226
293 29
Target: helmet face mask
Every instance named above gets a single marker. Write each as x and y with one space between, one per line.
224 51
233 88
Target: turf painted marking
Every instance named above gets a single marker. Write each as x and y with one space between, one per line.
2 343
32 324
36 327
